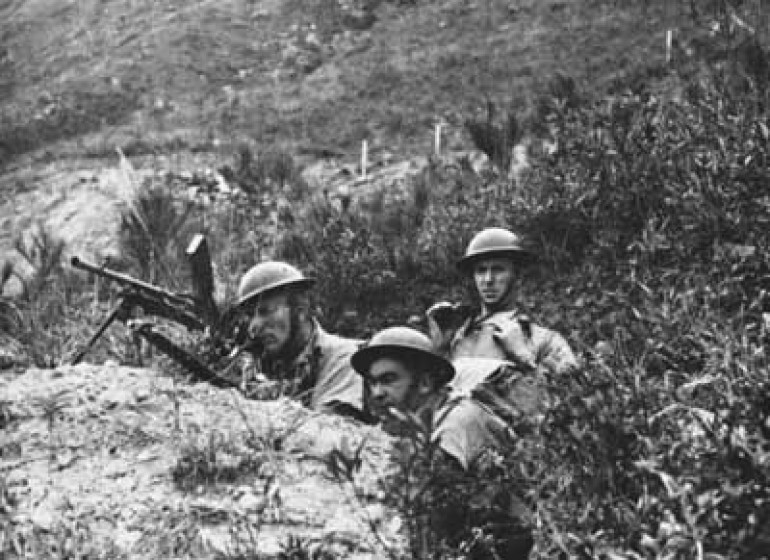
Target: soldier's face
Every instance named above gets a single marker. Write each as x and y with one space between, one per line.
392 383
271 323
494 280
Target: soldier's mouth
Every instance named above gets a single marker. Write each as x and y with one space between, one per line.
381 409
268 340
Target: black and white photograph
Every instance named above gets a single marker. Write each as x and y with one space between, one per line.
385 279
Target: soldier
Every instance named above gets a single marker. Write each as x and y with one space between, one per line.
403 372
289 346
498 330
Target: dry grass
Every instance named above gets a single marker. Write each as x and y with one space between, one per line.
219 66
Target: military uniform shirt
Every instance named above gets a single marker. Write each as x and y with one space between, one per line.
464 426
337 381
474 339
465 429
321 375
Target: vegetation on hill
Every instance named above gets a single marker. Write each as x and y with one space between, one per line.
317 73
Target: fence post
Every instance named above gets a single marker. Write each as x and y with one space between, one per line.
364 156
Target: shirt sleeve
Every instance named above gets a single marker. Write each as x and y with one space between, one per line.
465 430
338 383
552 351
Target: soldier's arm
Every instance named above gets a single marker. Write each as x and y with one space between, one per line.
447 322
339 387
531 346
467 430
553 352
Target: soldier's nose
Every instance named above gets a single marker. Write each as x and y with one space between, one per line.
255 327
377 392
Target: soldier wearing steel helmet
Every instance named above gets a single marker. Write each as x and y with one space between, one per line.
406 375
498 331
293 354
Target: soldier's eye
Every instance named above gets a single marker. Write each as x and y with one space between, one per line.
247 310
266 309
385 379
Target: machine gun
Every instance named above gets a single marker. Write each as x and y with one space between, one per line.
196 312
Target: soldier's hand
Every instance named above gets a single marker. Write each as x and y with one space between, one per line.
515 339
264 391
440 328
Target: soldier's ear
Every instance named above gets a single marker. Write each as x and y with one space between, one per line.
425 385
300 302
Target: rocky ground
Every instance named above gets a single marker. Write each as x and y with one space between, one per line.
127 463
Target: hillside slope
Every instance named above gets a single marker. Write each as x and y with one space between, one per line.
295 73
177 85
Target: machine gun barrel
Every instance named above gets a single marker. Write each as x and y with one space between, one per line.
197 312
130 282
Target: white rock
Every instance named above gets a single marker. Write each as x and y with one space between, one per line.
251 503
126 539
44 517
343 524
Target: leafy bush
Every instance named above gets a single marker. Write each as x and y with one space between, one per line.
637 169
71 115
382 260
337 248
154 233
496 140
66 539
41 317
268 171
212 459
652 218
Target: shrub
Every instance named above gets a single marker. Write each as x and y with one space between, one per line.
268 171
652 219
69 115
337 247
41 318
154 232
65 539
495 139
42 253
386 257
211 460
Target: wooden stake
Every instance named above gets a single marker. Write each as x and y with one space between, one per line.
364 155
669 39
437 139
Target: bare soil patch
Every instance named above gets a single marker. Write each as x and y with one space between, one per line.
123 454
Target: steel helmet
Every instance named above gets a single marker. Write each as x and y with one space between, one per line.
402 342
494 242
270 275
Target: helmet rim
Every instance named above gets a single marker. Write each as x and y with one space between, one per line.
491 243
440 368
270 276
301 284
517 255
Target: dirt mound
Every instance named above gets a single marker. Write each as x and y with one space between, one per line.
124 462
